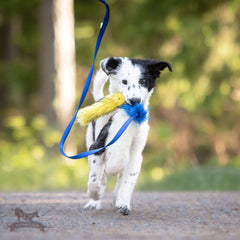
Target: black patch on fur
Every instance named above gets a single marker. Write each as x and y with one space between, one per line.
124 210
111 65
93 130
150 70
94 175
101 139
132 174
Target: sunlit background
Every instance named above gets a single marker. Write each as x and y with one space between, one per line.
194 140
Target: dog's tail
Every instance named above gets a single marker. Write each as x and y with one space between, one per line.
98 85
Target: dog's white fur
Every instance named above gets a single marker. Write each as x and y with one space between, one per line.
123 158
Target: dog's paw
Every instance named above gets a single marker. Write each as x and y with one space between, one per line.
92 204
122 208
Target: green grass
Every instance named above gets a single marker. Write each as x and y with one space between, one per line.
194 179
60 175
30 161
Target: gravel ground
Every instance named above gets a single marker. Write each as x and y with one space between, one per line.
155 215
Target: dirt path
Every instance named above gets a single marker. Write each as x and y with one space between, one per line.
206 215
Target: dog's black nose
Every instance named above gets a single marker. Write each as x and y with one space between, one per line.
134 100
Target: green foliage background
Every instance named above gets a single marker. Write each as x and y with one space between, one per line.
195 130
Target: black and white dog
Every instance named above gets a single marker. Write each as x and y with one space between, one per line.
135 79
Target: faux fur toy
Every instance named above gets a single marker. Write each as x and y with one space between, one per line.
100 108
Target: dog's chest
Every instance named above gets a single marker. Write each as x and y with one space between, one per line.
120 153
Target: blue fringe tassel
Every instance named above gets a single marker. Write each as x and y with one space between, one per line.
138 110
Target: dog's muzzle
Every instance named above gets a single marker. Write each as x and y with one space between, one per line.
133 101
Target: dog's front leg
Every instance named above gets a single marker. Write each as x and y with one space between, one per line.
129 176
96 181
97 177
126 184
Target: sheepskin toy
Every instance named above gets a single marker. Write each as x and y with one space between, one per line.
109 104
100 108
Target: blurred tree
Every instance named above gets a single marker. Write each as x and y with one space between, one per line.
47 58
57 59
9 31
195 110
18 53
64 46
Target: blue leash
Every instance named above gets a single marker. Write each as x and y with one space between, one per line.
84 93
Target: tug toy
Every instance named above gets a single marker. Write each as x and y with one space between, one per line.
100 108
109 104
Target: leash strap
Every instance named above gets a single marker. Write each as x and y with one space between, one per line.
84 93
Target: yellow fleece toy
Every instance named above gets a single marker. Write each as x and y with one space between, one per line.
98 109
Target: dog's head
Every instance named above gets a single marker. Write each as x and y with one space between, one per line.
134 78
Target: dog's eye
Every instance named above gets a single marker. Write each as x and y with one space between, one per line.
124 82
142 81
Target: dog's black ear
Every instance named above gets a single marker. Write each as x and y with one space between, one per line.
156 67
110 65
162 64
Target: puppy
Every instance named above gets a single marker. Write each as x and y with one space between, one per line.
135 79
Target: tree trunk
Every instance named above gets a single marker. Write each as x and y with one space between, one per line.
64 59
58 63
9 31
47 65
57 60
